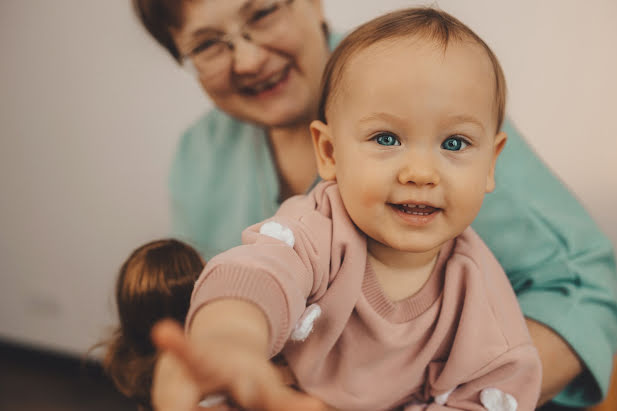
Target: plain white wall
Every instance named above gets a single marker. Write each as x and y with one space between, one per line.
91 109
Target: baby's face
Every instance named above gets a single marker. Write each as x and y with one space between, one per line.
414 150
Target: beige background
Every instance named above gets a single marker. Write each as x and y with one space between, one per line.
91 109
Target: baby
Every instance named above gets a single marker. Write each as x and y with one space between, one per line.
373 285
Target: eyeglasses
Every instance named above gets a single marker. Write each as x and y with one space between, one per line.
213 52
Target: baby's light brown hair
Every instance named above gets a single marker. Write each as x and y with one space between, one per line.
422 22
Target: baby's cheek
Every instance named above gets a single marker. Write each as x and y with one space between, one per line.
469 201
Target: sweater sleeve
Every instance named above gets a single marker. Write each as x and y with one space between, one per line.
510 382
283 262
561 266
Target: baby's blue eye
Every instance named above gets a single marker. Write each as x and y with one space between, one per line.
454 143
387 140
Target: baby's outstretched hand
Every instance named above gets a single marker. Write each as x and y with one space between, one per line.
185 374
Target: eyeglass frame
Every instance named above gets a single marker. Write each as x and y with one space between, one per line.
186 60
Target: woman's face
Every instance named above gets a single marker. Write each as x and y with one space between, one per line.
271 79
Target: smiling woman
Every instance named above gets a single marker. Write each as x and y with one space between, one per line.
252 57
259 61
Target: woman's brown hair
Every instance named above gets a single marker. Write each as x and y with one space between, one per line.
424 22
158 17
155 282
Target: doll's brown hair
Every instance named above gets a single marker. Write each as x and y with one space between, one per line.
424 22
155 282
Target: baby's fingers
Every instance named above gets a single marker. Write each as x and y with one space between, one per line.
173 388
168 336
250 381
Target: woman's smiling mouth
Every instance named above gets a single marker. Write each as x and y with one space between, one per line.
268 84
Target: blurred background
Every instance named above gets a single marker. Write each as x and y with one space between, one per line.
91 109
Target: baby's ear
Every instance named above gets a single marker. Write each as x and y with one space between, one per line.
498 145
323 144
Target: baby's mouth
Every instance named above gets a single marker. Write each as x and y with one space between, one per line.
266 84
416 209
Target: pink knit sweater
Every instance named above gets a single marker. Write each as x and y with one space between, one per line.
459 343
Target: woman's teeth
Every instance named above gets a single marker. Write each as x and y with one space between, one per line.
269 83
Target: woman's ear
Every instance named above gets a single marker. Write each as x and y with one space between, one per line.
323 144
498 145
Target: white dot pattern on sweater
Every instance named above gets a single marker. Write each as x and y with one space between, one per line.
212 400
278 231
305 324
494 399
441 399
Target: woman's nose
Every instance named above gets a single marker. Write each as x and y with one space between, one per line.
248 57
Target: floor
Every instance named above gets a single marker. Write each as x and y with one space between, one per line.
38 381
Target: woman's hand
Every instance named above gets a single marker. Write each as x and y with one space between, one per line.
185 374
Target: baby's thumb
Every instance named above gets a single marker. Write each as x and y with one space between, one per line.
168 335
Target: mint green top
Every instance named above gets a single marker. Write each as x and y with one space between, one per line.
561 266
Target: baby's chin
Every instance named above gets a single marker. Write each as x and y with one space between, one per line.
402 246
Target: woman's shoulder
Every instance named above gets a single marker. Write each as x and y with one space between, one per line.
216 128
213 140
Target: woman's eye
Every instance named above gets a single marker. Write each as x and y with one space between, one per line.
265 12
387 140
205 45
454 143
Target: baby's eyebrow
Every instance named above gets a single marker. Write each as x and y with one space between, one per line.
382 115
464 118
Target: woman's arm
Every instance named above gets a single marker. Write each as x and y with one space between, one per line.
560 364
